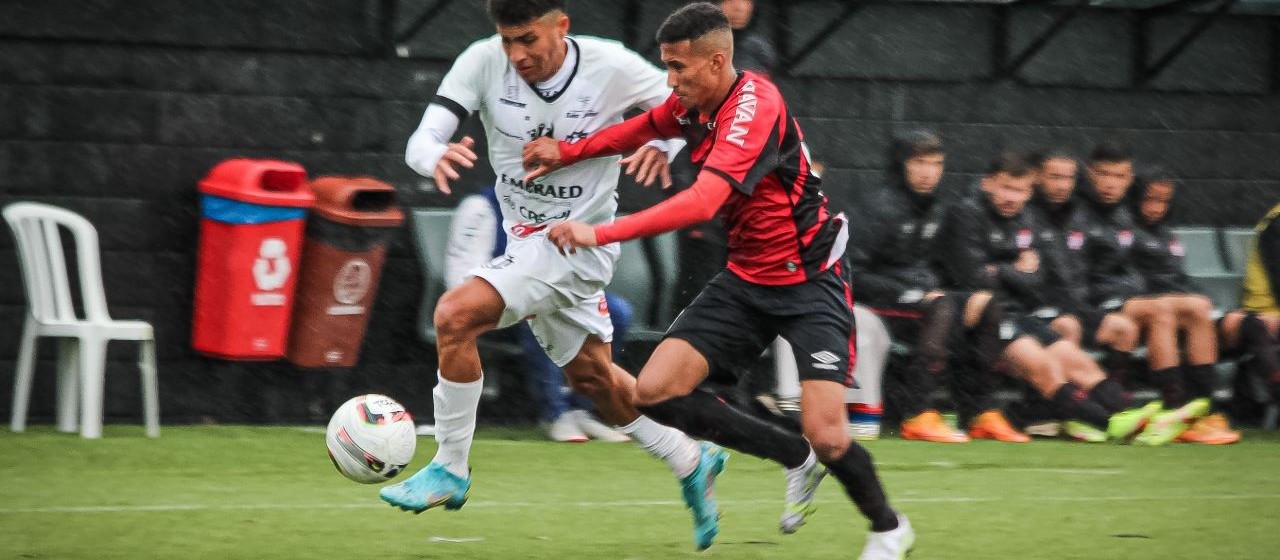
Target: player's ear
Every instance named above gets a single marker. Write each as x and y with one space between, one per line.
562 24
718 60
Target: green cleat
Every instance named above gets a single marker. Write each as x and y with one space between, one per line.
1168 425
698 489
1126 424
1081 431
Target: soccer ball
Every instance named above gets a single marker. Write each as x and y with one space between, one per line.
371 439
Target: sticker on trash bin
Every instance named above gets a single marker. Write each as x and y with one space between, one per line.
271 272
350 285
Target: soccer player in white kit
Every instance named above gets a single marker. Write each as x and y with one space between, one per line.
533 80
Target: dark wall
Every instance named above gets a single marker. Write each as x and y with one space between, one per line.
116 108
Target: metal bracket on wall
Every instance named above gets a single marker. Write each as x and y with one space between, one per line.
1007 67
792 59
1144 73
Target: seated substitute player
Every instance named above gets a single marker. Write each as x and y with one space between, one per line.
1159 257
1262 281
990 243
1116 285
531 80
786 274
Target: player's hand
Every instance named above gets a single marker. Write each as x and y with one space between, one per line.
541 156
932 295
568 236
646 165
458 153
1028 262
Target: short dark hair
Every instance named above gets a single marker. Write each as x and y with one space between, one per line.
915 143
1056 153
518 12
1154 173
691 22
1012 163
1110 151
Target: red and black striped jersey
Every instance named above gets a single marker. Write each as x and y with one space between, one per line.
780 230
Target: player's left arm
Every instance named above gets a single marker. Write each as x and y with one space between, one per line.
696 204
545 155
645 87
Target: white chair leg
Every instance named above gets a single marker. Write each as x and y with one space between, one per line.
68 385
150 392
22 377
93 366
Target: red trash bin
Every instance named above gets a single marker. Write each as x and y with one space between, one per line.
252 218
347 237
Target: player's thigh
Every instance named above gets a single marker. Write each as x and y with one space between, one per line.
674 370
472 305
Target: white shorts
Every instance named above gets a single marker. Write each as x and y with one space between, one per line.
562 296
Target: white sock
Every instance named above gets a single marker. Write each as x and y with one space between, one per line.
456 405
669 444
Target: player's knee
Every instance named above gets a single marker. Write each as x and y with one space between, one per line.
1068 328
454 317
829 442
1200 307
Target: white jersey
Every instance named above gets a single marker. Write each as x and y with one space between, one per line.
608 81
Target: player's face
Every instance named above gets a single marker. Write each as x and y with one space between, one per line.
925 172
692 75
1111 179
1057 179
738 11
536 49
1009 194
1155 203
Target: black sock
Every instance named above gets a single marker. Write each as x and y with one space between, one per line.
705 416
935 332
1200 381
1073 403
1172 390
857 474
988 343
1257 340
1111 396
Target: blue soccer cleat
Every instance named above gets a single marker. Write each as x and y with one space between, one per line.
433 486
698 489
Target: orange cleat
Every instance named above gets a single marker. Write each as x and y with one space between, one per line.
993 425
929 426
1213 429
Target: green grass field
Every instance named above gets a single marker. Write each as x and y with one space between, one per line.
241 492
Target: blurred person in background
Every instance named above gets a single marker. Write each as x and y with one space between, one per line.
752 50
1160 258
476 237
1262 282
1117 285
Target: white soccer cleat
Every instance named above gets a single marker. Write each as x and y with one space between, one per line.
565 429
890 545
596 429
802 488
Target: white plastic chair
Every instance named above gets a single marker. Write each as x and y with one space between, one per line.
82 348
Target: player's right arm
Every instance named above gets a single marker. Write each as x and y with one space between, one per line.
430 153
545 155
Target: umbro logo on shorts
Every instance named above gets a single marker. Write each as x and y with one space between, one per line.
825 360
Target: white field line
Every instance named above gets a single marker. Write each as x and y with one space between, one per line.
609 504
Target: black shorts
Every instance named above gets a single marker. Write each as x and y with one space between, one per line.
732 321
1028 325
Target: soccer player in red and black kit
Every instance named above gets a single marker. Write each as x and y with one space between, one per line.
786 274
